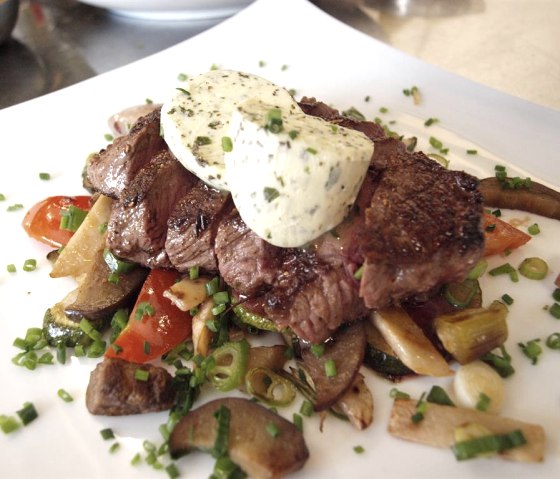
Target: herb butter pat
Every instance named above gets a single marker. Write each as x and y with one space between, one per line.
292 176
197 116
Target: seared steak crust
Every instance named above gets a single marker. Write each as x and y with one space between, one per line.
422 229
414 227
137 227
192 227
113 389
113 168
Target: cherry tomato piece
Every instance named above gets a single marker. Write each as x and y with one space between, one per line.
155 325
500 236
42 221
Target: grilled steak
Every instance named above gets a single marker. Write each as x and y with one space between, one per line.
422 229
247 262
113 168
191 229
113 389
414 227
137 227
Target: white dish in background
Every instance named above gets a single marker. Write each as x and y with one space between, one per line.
317 56
171 9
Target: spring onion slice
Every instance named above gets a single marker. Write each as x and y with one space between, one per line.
230 365
533 268
72 218
28 413
488 444
269 387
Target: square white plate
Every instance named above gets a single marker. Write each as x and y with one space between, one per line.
296 45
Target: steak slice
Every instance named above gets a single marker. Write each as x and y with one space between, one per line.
137 226
192 227
311 106
111 170
422 229
246 262
113 389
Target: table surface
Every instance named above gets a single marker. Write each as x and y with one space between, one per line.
510 45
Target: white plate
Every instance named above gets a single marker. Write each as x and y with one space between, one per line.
171 9
326 59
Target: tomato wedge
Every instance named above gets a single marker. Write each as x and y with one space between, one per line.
42 221
155 325
500 236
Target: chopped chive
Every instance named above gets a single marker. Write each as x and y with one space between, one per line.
383 109
227 144
30 265
137 459
144 308
114 447
141 375
293 134
221 297
274 122
218 309
506 298
270 194
532 350
107 433
553 341
330 368
15 207
71 218
483 402
478 269
96 349
272 429
438 395
501 364
172 471
9 424
202 140
194 272
64 395
359 272
396 394
359 449
90 331
2 197
556 294
306 408
431 121
421 408
182 77
472 152
147 347
298 421
262 63
554 310
318 349
61 353
212 287
488 444
28 413
44 176
505 269
434 142
108 137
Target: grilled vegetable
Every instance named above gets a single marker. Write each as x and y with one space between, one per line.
250 443
86 244
332 373
380 357
356 404
536 198
470 333
409 342
439 423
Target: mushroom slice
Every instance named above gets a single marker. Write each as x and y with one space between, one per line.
344 356
262 443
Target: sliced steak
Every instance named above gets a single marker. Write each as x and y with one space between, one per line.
137 228
192 228
311 106
113 389
113 169
422 229
246 262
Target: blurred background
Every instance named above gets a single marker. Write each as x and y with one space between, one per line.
510 45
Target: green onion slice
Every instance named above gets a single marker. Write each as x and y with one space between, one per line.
533 268
230 365
270 387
